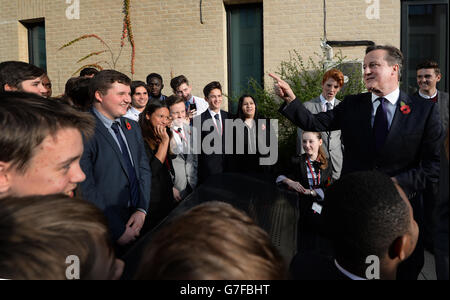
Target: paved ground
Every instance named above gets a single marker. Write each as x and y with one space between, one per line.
428 271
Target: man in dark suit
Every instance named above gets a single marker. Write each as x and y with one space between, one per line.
368 242
384 130
211 126
118 175
428 75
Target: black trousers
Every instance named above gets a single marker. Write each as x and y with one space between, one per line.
412 266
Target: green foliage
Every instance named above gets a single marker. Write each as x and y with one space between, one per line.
305 79
126 32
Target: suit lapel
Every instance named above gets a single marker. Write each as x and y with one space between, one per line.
365 121
107 135
304 172
397 121
129 136
318 105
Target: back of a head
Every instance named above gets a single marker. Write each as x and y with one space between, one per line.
38 234
177 81
77 89
27 119
13 73
88 72
212 241
364 213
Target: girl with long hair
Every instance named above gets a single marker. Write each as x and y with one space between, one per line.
311 175
154 122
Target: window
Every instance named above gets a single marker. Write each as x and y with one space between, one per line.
245 47
424 36
37 53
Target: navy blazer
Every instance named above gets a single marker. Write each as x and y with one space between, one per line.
211 164
106 183
411 150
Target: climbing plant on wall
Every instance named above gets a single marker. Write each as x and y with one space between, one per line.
100 65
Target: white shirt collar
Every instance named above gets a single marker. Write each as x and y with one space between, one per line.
324 101
134 111
212 113
426 96
392 97
347 273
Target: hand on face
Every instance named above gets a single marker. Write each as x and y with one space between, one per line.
161 132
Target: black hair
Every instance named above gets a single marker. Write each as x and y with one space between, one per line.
13 73
364 214
136 84
77 90
429 64
211 86
153 75
177 81
88 72
240 112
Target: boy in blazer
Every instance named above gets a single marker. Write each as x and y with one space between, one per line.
212 163
184 161
118 175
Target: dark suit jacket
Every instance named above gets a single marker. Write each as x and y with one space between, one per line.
310 266
411 151
161 194
106 183
247 162
299 173
211 164
443 106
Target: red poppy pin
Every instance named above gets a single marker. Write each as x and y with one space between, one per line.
328 182
128 125
405 109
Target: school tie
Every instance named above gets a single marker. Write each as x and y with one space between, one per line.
329 107
219 125
380 124
134 184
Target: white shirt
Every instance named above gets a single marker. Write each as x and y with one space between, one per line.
201 104
391 105
133 114
324 102
347 273
426 96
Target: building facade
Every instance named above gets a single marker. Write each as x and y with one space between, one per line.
222 40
